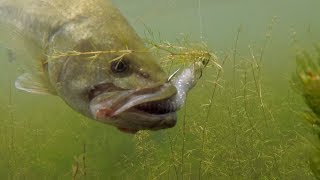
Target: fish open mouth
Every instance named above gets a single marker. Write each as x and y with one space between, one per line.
146 108
157 107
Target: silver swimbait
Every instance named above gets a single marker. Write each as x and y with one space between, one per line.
185 81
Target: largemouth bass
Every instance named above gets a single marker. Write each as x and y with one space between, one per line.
120 84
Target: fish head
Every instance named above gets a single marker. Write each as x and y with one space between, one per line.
128 90
135 96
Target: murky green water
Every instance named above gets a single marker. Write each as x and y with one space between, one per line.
240 123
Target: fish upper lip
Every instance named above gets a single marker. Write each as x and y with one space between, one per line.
114 103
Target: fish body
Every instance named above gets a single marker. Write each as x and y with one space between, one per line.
116 88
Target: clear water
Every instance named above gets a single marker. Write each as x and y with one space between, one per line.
246 126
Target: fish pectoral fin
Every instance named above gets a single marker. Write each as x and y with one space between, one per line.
33 84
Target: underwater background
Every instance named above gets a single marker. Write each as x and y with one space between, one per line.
241 122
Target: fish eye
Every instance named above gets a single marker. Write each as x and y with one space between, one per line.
119 66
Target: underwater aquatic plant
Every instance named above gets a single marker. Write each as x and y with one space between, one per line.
307 81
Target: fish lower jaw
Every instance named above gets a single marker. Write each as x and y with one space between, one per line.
153 121
133 120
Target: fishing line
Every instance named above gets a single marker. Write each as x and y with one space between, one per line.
200 20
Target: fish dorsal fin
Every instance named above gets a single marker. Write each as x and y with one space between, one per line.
34 84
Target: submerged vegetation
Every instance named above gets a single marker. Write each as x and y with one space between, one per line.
307 82
183 53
